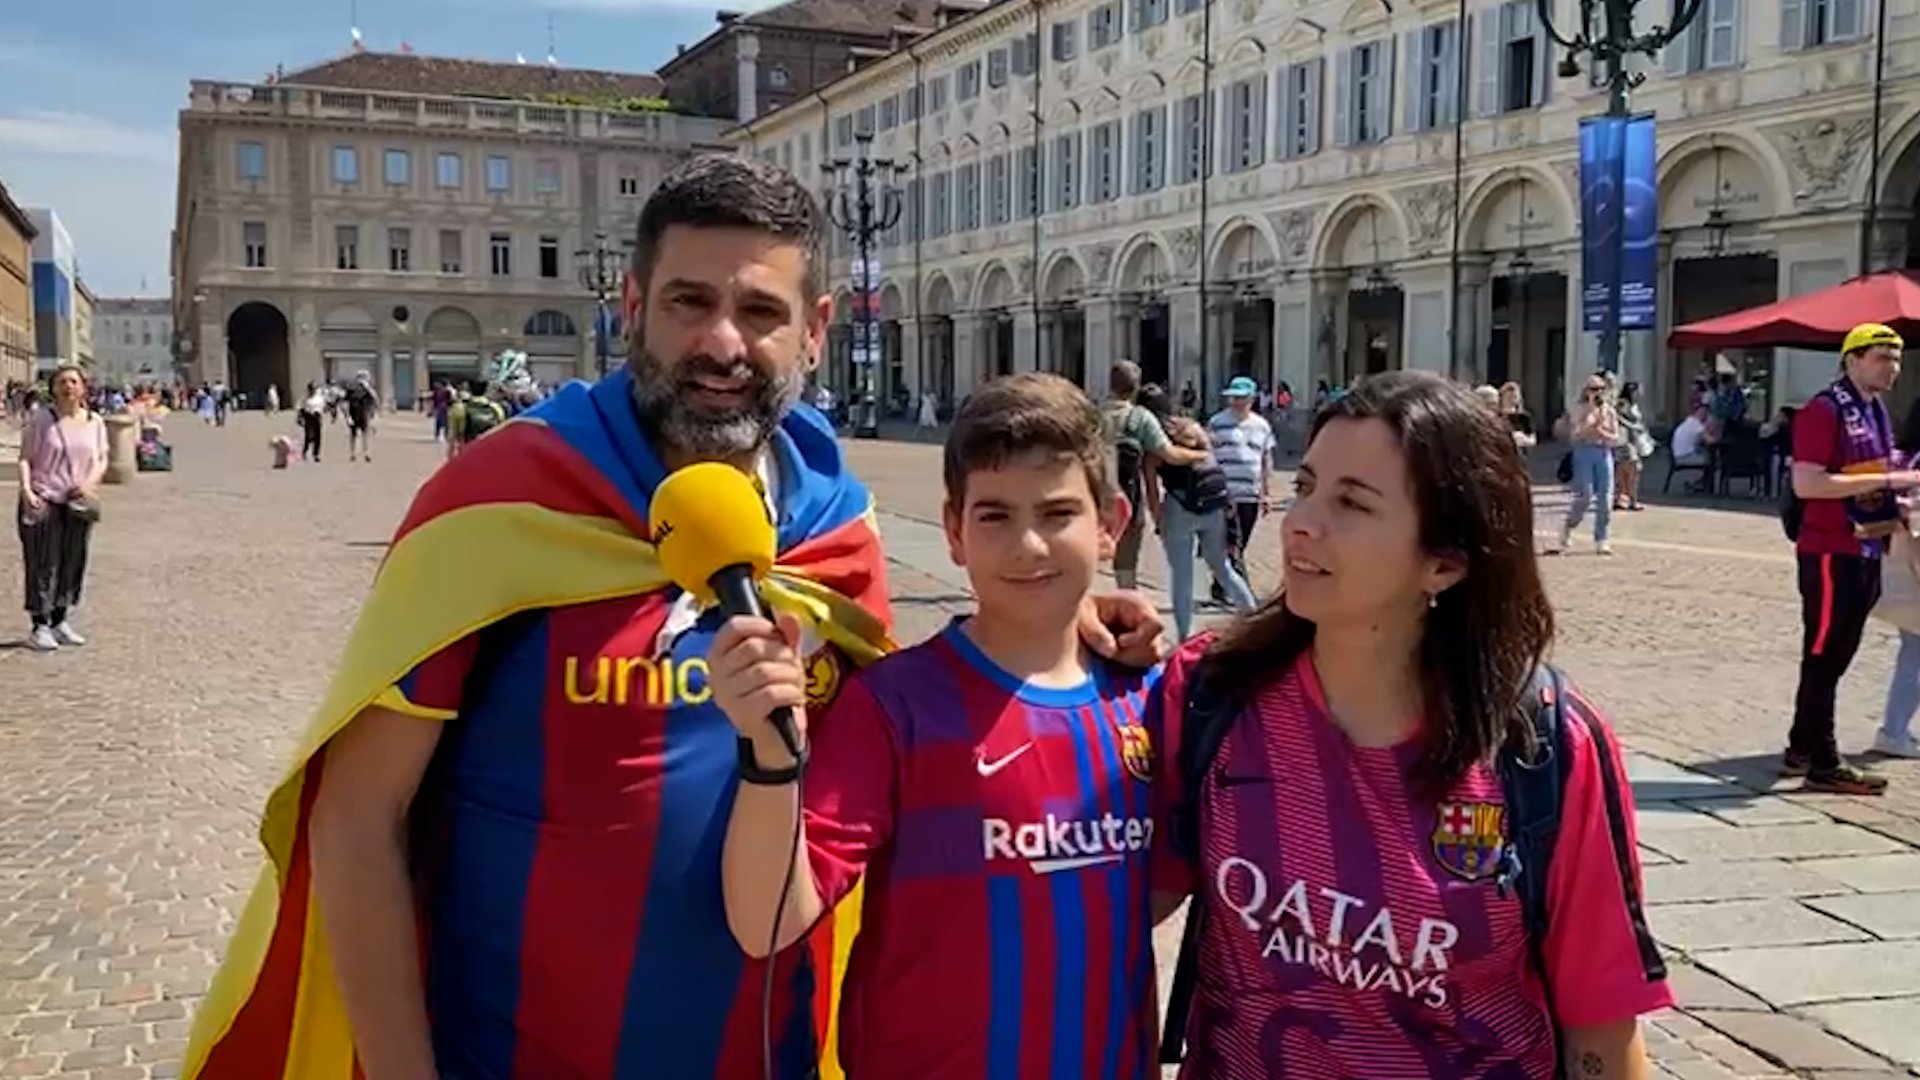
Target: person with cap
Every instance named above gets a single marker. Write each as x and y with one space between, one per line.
1846 479
1243 445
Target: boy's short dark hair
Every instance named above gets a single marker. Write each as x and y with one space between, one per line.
1021 414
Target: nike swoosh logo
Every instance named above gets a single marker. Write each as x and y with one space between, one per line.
988 768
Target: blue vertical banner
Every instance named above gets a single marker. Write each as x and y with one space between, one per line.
1617 156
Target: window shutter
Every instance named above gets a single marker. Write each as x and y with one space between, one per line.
1450 70
1343 98
1136 143
1316 75
1542 66
1491 31
1383 86
1793 24
1846 19
1416 87
1258 128
1723 32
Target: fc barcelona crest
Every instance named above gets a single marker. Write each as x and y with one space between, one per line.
1136 751
823 676
1469 838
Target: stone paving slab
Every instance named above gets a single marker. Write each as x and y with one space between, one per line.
1771 842
1694 927
1748 810
1892 1027
1793 975
1893 916
1798 1044
1897 872
1676 882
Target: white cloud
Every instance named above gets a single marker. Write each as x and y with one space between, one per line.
65 134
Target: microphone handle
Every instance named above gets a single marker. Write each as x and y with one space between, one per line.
733 587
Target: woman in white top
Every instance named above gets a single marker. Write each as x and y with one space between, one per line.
1593 427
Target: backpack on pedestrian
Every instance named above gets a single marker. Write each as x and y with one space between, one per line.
1533 781
482 415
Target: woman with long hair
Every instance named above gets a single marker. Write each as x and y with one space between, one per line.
63 455
1593 427
1348 839
1635 448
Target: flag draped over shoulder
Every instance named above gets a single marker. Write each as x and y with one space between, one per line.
548 510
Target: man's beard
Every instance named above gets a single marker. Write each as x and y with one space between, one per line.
663 394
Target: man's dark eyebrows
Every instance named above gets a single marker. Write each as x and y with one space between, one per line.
686 285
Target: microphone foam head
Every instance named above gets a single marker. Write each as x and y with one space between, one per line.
706 517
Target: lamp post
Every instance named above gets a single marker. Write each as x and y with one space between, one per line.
869 208
1607 37
602 267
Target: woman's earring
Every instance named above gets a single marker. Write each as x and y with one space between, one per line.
1433 600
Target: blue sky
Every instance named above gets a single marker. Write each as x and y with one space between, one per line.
88 116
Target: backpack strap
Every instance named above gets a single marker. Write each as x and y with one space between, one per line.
1533 780
1207 712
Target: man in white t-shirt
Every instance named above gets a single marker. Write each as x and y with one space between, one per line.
1243 445
1690 439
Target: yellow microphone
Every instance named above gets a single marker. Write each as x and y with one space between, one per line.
716 541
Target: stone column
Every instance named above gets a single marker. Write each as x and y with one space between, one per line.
383 372
303 345
1473 319
1101 315
211 363
1424 288
1185 311
746 53
1330 329
969 359
1026 327
1293 334
910 354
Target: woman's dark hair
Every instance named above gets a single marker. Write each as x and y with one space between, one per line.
1154 398
1485 635
1630 393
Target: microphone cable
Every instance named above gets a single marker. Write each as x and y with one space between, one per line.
773 932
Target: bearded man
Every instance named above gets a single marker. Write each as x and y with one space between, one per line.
499 855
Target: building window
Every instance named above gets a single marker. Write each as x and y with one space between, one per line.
966 82
1026 179
1300 109
546 176
997 68
863 121
629 184
1433 58
1065 43
941 219
1103 26
843 131
399 168
346 247
253 237
1827 21
400 250
446 170
1192 139
1104 163
1066 171
499 174
450 255
1512 64
1149 150
346 165
126 335
936 95
1148 13
1025 55
146 334
999 190
890 113
1188 7
500 247
1363 95
777 77
967 194
910 103
1246 124
253 161
549 256
1712 39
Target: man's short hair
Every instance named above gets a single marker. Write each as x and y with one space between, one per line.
718 191
1021 414
1124 379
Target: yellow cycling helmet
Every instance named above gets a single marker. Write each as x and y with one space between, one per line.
1867 335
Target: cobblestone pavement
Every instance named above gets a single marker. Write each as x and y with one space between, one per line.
131 771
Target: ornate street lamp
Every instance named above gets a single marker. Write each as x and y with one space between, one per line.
1607 37
869 208
602 267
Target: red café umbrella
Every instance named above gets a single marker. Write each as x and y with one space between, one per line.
1815 321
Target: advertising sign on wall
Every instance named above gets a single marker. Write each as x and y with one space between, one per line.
1619 220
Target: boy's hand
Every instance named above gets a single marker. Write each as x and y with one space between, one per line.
754 668
1124 627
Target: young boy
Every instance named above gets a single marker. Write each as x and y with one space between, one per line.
989 786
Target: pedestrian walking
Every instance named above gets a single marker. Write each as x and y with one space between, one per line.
1846 475
1636 448
63 456
1140 448
311 409
361 405
1195 510
1593 427
1242 443
1409 843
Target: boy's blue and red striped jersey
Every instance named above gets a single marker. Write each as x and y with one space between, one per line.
1000 833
